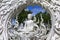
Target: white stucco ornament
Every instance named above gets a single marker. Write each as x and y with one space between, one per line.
11 8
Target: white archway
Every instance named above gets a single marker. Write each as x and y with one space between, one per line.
8 8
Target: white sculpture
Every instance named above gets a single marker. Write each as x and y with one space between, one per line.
6 14
29 24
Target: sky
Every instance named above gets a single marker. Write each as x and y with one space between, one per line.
35 9
13 21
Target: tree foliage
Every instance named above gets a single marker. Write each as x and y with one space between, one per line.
46 17
22 16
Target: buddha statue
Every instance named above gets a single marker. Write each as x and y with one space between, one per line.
29 24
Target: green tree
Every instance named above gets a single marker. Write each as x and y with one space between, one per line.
22 16
46 17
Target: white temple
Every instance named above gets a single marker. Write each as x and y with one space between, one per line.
10 8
